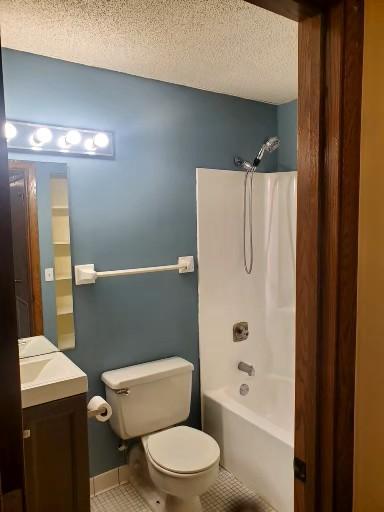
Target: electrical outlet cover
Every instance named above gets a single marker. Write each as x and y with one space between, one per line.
49 275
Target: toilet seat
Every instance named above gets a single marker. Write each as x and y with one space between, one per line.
183 450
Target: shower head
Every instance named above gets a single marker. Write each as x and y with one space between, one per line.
270 145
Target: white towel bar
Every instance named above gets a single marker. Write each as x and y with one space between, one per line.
86 274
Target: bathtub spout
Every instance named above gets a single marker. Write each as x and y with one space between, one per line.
247 368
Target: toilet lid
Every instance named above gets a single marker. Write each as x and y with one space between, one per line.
183 450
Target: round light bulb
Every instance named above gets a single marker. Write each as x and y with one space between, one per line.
42 135
89 145
73 137
10 131
62 142
101 140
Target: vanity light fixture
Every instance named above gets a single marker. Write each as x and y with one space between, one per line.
25 136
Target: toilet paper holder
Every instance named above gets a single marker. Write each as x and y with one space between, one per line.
95 412
99 409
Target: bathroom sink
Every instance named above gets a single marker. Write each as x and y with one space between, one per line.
31 371
35 346
50 377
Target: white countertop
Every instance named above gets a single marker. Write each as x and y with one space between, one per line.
35 346
49 377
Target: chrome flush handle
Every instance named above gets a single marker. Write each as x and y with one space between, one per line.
123 391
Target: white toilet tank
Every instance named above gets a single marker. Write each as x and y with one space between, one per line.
149 397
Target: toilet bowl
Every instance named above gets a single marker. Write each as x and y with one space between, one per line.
147 401
183 463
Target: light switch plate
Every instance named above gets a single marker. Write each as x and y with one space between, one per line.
49 275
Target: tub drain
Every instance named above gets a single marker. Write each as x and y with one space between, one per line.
244 389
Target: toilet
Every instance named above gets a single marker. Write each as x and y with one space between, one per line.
147 401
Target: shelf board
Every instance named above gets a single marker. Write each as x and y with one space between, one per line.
66 341
63 277
60 207
62 242
64 311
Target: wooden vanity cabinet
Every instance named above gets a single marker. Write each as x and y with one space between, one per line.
56 456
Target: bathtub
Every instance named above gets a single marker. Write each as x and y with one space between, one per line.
255 434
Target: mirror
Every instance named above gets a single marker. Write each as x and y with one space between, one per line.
40 210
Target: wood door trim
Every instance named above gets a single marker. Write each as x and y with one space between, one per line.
307 262
295 10
327 288
33 242
339 259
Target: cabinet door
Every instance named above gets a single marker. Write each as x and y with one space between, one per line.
56 456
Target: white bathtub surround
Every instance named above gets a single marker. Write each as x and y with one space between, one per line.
223 496
255 429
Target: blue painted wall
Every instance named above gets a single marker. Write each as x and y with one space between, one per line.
137 210
287 131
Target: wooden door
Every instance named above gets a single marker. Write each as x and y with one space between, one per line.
21 255
26 248
11 447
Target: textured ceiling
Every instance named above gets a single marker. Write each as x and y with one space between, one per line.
227 46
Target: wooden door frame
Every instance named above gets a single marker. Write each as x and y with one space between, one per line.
29 171
329 113
330 70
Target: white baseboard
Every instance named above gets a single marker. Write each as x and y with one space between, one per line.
108 480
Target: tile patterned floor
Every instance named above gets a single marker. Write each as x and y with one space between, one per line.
121 499
227 495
